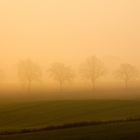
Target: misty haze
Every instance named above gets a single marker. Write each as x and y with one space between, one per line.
69 70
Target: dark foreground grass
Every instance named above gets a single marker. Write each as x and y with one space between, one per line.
33 119
67 126
42 114
112 131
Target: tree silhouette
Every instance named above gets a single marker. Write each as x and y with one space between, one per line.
61 73
28 71
127 72
93 69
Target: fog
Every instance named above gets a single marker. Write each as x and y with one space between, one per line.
69 32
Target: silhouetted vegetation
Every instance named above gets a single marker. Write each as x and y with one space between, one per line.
93 69
61 73
28 71
126 73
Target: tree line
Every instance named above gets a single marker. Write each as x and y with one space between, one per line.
92 69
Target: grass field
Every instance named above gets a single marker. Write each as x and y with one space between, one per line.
119 131
46 113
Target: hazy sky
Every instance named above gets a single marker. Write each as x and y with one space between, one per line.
68 31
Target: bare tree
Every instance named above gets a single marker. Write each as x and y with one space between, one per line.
28 71
61 73
127 72
93 69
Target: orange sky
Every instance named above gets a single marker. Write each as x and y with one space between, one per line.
68 31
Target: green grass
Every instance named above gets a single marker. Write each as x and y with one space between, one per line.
17 116
41 114
117 131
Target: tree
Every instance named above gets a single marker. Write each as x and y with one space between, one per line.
61 73
127 72
28 71
93 69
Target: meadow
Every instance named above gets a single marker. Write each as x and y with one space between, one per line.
41 114
119 131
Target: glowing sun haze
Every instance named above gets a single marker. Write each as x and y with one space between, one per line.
68 31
